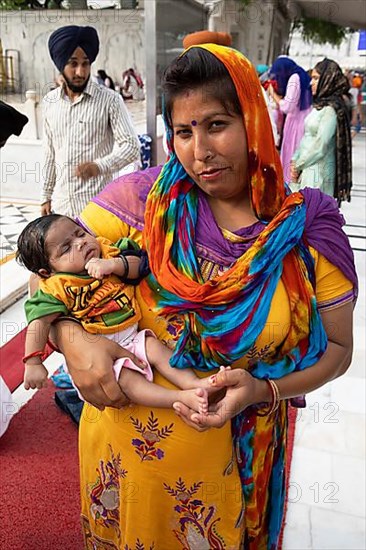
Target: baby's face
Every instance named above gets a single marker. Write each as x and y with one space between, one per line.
69 247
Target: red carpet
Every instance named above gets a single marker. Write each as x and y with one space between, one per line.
11 365
39 479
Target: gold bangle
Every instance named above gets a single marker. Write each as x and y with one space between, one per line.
277 392
275 403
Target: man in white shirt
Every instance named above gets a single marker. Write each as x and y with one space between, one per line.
88 133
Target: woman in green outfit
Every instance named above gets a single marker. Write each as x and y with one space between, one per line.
324 157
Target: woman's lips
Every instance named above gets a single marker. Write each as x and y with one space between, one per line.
209 175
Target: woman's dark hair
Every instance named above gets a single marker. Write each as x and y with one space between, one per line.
31 250
332 81
321 66
102 73
199 68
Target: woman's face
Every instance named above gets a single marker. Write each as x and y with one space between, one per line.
211 144
314 81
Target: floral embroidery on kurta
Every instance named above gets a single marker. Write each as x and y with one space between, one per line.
139 546
197 522
254 354
104 493
93 542
151 435
174 327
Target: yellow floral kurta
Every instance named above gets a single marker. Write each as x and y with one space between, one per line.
148 481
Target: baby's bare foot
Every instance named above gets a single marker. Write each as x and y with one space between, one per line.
206 384
196 399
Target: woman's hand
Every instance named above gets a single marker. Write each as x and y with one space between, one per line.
273 94
87 170
294 174
46 208
186 414
242 390
89 360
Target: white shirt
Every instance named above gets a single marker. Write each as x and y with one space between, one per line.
96 127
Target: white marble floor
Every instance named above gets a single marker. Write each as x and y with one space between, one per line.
14 216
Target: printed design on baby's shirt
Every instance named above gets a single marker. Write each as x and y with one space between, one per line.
106 302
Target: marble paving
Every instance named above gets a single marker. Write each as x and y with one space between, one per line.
13 218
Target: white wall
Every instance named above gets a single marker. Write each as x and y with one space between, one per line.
259 30
25 35
307 54
21 169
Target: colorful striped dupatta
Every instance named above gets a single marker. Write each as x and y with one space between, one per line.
224 316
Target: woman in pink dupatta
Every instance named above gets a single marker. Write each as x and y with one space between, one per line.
293 103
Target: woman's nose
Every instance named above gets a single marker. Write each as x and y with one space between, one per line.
202 149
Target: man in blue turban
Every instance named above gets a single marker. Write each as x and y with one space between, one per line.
88 134
64 42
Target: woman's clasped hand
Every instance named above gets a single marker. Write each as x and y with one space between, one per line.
239 390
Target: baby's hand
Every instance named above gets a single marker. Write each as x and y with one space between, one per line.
99 267
35 376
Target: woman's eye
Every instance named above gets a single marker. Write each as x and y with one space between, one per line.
216 124
183 133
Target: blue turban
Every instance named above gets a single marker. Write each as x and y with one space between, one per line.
282 69
64 41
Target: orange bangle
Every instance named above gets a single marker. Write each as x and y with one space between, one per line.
275 403
39 353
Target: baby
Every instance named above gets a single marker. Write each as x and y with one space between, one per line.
91 280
